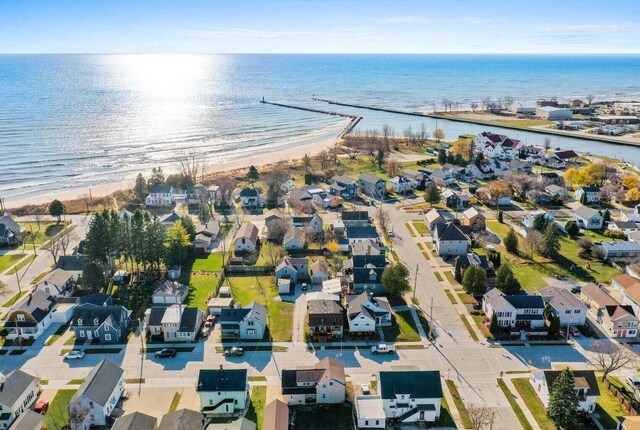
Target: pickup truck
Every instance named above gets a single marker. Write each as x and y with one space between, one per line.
383 349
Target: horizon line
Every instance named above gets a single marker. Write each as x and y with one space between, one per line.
323 53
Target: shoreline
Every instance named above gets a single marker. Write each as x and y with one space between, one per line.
101 191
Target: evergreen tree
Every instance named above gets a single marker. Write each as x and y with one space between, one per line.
493 328
253 175
187 223
563 401
140 189
500 217
459 160
551 241
511 241
458 270
157 177
177 243
606 216
554 327
92 277
57 209
97 239
432 194
583 199
451 159
442 156
474 281
572 228
506 281
540 223
479 157
154 241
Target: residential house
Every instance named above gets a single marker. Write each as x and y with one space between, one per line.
586 386
432 218
355 218
366 314
588 195
565 305
31 317
367 247
448 239
276 416
294 239
170 292
310 224
538 197
528 220
248 323
456 201
319 272
293 269
474 219
517 313
28 420
249 198
482 171
354 235
565 155
442 178
135 421
622 282
631 297
550 178
96 299
197 194
531 152
98 395
365 272
626 227
411 396
18 391
587 218
183 419
370 412
170 219
206 236
223 392
551 113
619 250
10 231
160 195
73 264
372 186
344 186
471 259
273 215
556 192
321 383
106 324
616 320
247 240
400 184
326 319
175 323
417 179
485 196
216 304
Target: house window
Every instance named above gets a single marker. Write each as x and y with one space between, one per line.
95 333
95 321
576 311
107 337
20 317
79 321
81 333
250 322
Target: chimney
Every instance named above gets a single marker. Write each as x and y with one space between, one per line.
221 367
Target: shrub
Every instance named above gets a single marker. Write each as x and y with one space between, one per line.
615 234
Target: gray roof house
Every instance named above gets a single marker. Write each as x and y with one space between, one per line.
366 272
520 312
448 239
28 420
98 395
411 396
566 306
294 239
175 323
58 283
372 186
107 324
248 323
366 313
326 319
135 421
183 419
620 250
31 317
587 218
73 264
10 231
355 218
292 268
343 186
18 392
170 292
247 238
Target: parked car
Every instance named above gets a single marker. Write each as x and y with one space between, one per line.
210 322
205 331
576 290
75 354
166 353
383 349
41 406
633 382
233 352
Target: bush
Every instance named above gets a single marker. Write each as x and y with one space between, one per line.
598 253
584 248
572 228
615 234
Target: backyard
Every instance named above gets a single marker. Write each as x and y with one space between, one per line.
57 416
404 329
40 234
262 289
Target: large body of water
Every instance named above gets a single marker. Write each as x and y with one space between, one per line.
73 121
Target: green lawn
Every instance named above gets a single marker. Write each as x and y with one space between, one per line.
57 416
258 400
498 228
212 263
200 287
472 333
514 405
421 227
438 276
47 229
451 278
21 264
479 320
529 397
13 299
404 329
262 289
530 277
457 400
608 407
8 260
175 401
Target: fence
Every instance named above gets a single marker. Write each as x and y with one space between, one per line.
620 393
249 270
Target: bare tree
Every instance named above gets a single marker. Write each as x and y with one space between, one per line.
4 289
223 195
481 417
474 106
438 134
273 253
507 102
423 134
277 230
610 357
497 190
393 168
590 98
352 148
520 183
192 164
387 133
383 218
547 143
534 244
65 239
38 218
275 180
324 159
77 414
54 246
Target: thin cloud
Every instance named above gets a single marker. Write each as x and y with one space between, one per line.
419 19
269 34
584 29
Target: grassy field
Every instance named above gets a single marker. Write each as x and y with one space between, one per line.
479 320
13 299
57 416
457 400
439 276
21 264
258 400
262 289
404 329
472 333
608 406
8 260
514 405
525 390
41 234
200 287
212 263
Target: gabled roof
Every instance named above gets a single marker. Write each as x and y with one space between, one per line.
222 380
369 260
618 311
210 229
366 232
170 289
355 216
73 263
100 382
135 421
583 379
356 304
590 189
14 387
249 231
57 277
294 233
586 212
525 301
433 215
97 299
28 420
365 247
344 179
276 416
449 231
417 384
160 189
320 266
249 192
9 223
114 315
598 295
235 315
318 307
372 179
170 218
561 299
471 213
325 370
38 305
566 154
626 281
183 419
189 319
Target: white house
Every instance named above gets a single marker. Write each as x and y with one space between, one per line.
587 218
448 239
625 227
311 224
248 323
247 241
586 385
321 383
400 184
57 284
411 396
223 392
551 113
566 306
293 269
366 313
591 195
370 412
319 272
31 317
529 219
98 395
160 195
294 239
170 292
18 391
432 218
249 198
175 323
619 250
515 312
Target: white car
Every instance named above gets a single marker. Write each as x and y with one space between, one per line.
76 354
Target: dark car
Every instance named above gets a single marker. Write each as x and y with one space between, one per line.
166 353
576 290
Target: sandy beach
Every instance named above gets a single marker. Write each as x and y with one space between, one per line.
272 155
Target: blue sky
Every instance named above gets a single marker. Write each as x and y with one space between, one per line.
327 26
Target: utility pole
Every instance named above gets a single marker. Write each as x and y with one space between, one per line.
18 279
431 319
415 284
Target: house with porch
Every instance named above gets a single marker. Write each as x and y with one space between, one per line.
105 324
565 305
247 240
586 386
248 323
160 195
18 392
615 319
31 317
58 284
326 319
411 396
366 313
516 313
249 198
321 383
